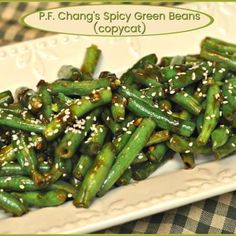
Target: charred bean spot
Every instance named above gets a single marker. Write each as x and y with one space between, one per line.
94 97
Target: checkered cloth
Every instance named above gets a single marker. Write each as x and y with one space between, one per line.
214 215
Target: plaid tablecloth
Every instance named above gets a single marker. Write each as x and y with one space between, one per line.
214 215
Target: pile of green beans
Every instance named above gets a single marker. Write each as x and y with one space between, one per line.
78 137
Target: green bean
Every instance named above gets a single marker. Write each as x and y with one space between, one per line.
220 73
187 102
30 125
118 108
64 186
191 76
211 115
220 136
69 72
183 115
228 111
26 157
225 150
18 183
148 59
229 102
219 45
158 137
142 157
156 153
63 165
155 92
29 98
131 92
125 178
11 204
199 122
165 61
95 177
201 92
91 59
78 88
95 141
144 170
77 109
163 120
14 169
110 122
219 57
146 77
120 140
187 145
127 78
82 166
14 109
74 135
114 82
168 73
177 60
75 183
7 154
46 100
37 141
192 59
47 199
188 160
6 98
60 101
190 89
165 105
124 159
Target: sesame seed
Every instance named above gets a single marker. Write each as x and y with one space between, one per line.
21 186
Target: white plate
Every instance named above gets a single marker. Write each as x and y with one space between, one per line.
171 186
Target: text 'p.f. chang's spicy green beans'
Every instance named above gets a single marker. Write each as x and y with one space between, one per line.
79 136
